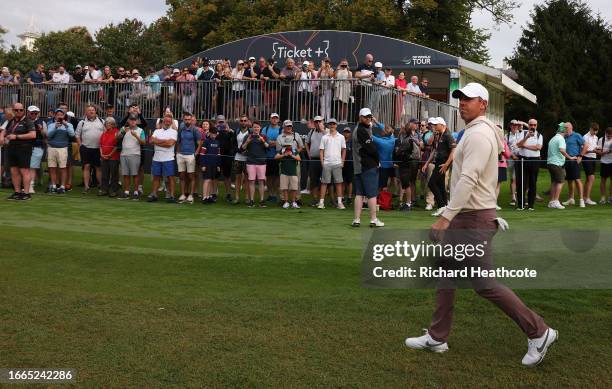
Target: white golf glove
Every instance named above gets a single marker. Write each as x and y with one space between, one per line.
502 224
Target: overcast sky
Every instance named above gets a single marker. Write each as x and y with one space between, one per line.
94 15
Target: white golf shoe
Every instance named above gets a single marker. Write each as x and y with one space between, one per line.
426 342
536 348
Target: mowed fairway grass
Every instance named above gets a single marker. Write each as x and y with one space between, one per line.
132 294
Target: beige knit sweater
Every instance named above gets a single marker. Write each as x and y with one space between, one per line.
474 173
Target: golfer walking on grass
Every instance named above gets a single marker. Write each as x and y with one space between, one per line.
471 207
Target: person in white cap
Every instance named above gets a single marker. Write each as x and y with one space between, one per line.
238 87
442 157
38 147
307 75
472 208
365 167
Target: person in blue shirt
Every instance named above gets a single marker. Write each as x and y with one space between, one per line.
271 132
210 160
385 142
189 142
59 133
153 81
574 143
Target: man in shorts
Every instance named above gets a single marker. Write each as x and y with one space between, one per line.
132 139
189 143
20 133
59 133
555 163
332 155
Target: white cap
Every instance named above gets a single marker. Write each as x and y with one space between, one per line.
33 108
365 112
70 113
251 58
274 115
440 120
318 118
305 63
240 62
378 65
471 90
176 70
287 123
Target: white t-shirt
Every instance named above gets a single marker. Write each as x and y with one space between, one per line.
591 142
389 81
61 78
239 140
163 154
333 145
606 145
535 140
412 88
513 139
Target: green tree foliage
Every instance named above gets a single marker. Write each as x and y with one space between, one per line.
440 24
69 47
565 57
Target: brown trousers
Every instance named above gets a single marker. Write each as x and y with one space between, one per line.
505 299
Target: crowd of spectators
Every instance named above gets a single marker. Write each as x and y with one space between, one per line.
253 86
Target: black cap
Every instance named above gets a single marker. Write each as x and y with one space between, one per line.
271 60
133 116
413 120
109 106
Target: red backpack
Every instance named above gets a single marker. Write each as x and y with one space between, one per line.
384 200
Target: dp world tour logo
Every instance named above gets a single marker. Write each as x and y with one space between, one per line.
279 51
417 60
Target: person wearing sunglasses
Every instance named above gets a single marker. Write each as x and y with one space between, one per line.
20 134
38 147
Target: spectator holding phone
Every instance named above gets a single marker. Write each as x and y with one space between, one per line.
255 146
59 133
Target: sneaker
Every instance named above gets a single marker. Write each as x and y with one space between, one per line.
124 196
151 198
286 205
438 212
582 205
314 203
236 202
429 207
305 192
530 209
228 198
404 207
59 191
340 205
25 197
376 223
53 190
102 193
426 342
85 190
602 201
136 195
190 199
170 200
536 348
140 189
262 204
250 203
214 197
233 186
512 203
538 197
321 205
569 202
557 205
295 205
299 202
590 202
498 208
520 209
356 223
182 199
